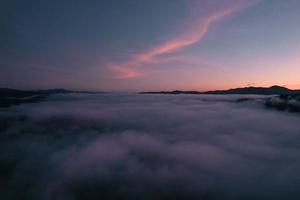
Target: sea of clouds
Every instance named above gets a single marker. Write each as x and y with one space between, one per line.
152 147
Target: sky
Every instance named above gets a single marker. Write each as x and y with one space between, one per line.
141 45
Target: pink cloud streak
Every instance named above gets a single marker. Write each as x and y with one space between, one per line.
127 69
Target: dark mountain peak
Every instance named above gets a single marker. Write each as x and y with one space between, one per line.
278 86
273 90
9 97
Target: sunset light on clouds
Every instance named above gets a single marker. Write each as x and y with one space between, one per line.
147 45
194 35
149 99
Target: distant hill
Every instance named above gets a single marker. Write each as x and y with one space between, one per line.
9 97
13 93
274 90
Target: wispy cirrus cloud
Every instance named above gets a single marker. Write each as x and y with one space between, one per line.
198 29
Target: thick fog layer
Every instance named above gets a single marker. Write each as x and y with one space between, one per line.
129 146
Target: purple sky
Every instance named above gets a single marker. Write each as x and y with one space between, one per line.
149 44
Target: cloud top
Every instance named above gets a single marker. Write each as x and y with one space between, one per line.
127 146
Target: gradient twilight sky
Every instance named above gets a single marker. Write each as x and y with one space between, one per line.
137 45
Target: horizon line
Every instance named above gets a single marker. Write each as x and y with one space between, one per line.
162 90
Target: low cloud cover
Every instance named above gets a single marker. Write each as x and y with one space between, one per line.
130 146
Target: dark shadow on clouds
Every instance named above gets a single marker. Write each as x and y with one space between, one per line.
126 146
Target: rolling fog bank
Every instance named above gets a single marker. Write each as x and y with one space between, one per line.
130 146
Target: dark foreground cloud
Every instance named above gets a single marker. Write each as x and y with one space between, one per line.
126 146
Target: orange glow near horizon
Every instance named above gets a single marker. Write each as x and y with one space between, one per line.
155 62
